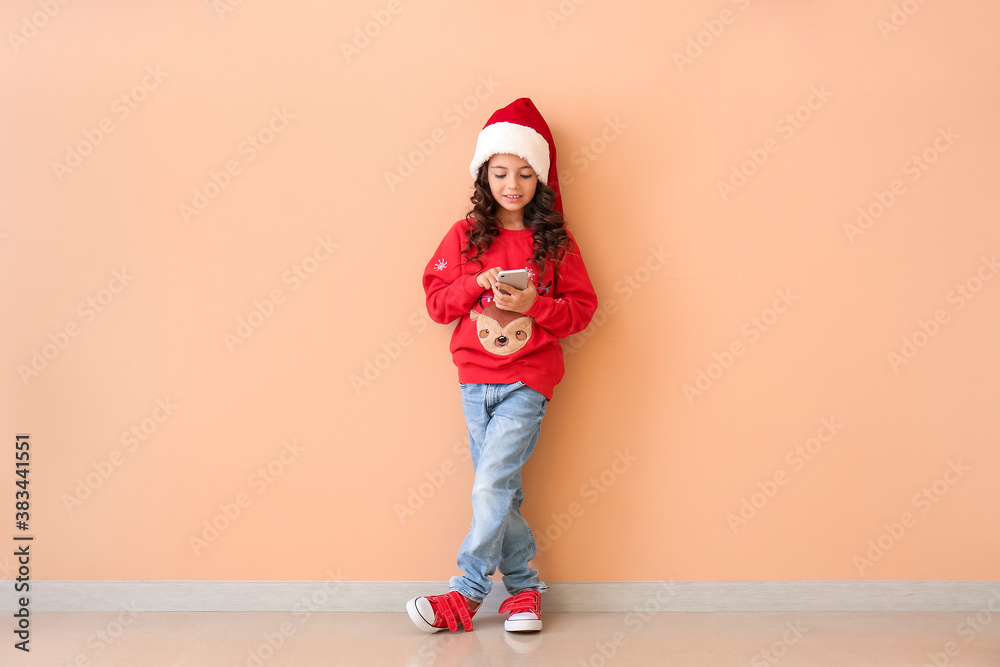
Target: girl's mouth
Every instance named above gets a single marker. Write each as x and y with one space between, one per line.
512 197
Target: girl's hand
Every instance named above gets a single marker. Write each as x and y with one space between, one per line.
518 301
487 279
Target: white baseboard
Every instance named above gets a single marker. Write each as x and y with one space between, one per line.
571 596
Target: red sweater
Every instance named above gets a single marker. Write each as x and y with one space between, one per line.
490 345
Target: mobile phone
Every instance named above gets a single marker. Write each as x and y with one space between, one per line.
517 278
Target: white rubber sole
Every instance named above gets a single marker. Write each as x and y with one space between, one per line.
526 623
422 614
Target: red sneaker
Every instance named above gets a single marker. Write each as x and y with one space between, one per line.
435 613
525 612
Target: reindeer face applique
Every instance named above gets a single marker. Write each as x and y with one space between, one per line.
502 332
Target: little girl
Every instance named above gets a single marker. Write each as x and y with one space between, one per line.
506 347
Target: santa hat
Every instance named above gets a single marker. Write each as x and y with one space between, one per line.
520 130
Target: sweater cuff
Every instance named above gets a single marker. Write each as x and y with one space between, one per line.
471 287
538 307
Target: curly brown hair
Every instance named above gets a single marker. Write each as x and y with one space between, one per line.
551 240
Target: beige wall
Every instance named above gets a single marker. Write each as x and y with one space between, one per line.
773 380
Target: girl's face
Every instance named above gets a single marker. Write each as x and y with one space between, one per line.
512 182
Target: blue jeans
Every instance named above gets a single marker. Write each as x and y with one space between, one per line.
504 421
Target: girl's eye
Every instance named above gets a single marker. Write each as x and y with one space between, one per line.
525 176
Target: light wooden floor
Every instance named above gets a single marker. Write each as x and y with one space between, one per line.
252 639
